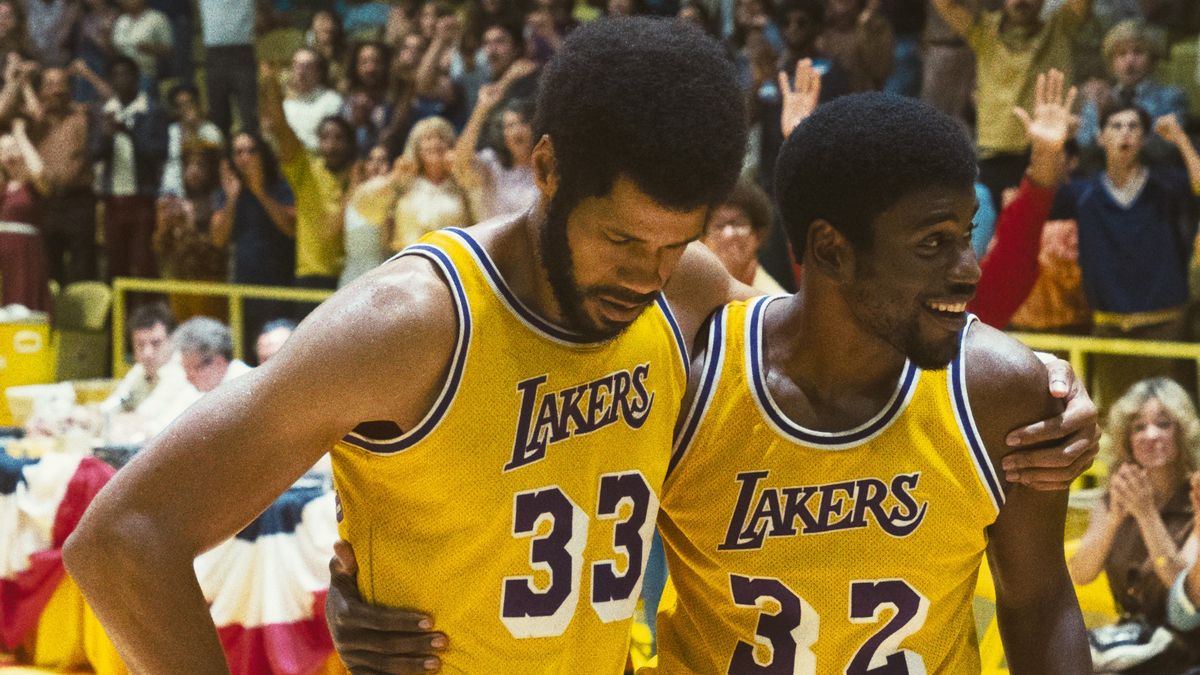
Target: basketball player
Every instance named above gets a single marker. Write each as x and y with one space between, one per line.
500 399
834 487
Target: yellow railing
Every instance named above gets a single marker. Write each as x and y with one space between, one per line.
1077 348
235 293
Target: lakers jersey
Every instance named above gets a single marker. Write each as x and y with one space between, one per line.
801 551
519 512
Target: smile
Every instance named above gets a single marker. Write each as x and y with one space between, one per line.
948 307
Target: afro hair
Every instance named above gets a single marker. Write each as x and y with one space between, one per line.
857 155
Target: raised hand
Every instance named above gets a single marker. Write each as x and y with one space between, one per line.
404 170
1051 122
800 100
1170 129
229 181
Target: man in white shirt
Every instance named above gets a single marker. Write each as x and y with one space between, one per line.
309 99
206 351
232 71
143 35
156 389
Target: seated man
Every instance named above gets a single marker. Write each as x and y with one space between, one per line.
272 336
156 389
206 350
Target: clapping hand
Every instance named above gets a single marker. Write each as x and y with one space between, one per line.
1131 489
229 181
800 100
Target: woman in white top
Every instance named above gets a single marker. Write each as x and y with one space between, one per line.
421 192
365 240
501 177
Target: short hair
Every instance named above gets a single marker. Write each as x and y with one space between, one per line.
122 60
857 155
1179 407
752 201
183 88
340 122
654 100
515 32
150 315
205 337
813 8
1150 38
1115 106
276 324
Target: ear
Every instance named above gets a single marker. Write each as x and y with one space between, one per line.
545 168
829 252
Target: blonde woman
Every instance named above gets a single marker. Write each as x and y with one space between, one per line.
421 192
1137 533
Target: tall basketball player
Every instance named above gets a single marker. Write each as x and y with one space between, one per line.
501 399
834 489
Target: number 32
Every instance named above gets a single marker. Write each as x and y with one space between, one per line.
791 631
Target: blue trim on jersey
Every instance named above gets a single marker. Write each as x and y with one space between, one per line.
523 312
661 301
966 421
827 439
713 359
458 362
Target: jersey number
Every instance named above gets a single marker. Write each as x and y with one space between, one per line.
558 529
788 627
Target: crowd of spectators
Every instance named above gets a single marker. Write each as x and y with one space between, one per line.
146 139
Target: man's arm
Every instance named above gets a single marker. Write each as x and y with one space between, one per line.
233 452
1010 270
959 18
1171 130
1040 622
270 106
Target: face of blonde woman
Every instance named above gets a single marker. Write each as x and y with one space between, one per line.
1152 436
432 152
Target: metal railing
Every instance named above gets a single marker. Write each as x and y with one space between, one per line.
1078 348
234 293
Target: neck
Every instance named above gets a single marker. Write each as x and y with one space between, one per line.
845 373
1121 173
519 255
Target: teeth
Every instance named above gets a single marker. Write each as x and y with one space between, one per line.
946 307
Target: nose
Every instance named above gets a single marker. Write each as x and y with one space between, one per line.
966 266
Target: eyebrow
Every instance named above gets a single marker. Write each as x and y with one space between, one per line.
625 235
938 218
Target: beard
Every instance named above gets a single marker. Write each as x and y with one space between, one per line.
556 260
883 316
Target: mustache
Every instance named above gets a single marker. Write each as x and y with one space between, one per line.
622 295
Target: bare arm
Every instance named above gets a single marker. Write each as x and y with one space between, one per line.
959 18
282 216
80 69
698 286
1088 561
1131 488
1040 621
1169 128
444 38
225 459
270 106
33 160
466 169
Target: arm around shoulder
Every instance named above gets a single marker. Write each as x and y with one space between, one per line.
698 286
1040 621
228 457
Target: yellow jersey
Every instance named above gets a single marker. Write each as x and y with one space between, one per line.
802 551
519 512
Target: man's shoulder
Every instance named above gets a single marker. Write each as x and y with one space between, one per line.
1006 383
